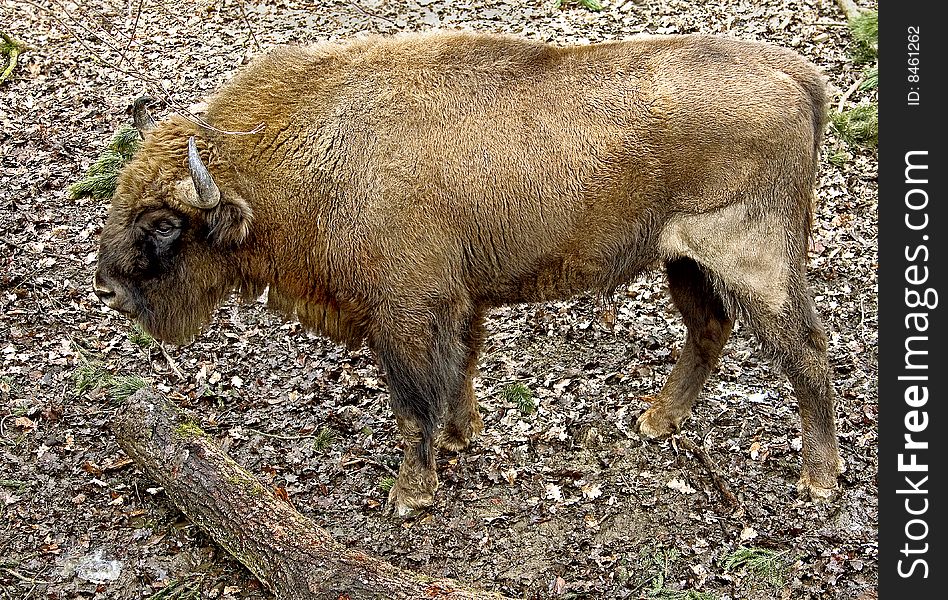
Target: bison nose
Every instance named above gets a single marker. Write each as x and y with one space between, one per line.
113 296
106 296
101 289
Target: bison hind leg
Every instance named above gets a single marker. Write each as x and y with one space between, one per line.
791 332
417 479
796 339
709 326
457 437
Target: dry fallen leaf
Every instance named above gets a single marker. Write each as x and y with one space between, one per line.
24 423
755 450
748 533
591 491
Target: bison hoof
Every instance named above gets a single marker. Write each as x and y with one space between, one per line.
821 489
817 493
826 491
402 503
456 439
412 494
453 442
656 423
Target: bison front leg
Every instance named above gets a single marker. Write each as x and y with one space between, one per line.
462 419
425 372
708 329
417 478
414 400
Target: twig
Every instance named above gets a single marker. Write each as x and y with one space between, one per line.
848 93
253 35
80 23
364 459
716 475
862 320
24 578
171 362
368 14
177 18
131 37
154 84
280 436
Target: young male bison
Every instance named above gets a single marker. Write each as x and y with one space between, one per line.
397 188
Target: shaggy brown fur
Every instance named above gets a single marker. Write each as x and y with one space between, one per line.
402 186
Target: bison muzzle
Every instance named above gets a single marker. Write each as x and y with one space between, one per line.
393 189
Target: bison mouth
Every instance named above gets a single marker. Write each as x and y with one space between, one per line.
114 297
170 308
180 326
172 330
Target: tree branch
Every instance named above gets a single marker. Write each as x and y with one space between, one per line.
154 85
286 551
12 49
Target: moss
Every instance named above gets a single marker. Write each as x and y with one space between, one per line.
189 429
871 78
770 566
325 439
839 158
120 388
865 27
186 588
10 50
90 376
140 338
865 30
593 5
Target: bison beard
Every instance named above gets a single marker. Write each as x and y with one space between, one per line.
394 189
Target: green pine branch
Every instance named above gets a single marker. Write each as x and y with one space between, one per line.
100 180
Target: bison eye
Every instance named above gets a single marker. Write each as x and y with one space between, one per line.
166 229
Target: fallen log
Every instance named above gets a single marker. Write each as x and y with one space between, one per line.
285 550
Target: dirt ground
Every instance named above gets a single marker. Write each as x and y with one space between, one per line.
558 499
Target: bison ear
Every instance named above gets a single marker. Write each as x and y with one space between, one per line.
229 222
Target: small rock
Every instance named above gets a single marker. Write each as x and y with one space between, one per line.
95 569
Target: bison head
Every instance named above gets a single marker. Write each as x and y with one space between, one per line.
170 247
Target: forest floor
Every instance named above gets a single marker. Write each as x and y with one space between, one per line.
559 498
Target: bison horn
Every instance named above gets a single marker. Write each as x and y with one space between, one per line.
207 194
141 118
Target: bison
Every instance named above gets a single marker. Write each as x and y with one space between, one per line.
393 189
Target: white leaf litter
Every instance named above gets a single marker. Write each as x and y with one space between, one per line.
591 491
681 486
95 569
554 492
748 533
